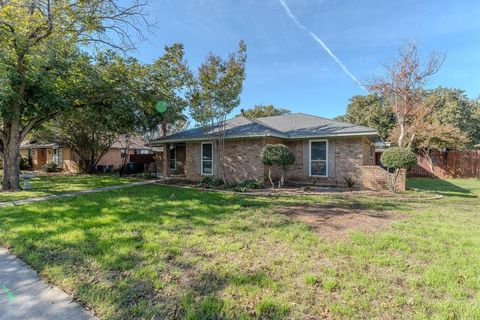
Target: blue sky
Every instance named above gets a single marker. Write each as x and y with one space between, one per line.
287 68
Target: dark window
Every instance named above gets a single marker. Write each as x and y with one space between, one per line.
207 158
173 159
318 158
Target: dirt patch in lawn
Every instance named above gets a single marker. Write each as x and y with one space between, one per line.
335 223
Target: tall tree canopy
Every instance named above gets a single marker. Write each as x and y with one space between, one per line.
451 106
39 43
107 106
168 79
216 93
371 111
402 85
261 110
417 125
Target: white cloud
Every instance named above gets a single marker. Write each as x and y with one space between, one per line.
321 43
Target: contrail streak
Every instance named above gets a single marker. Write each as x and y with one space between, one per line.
321 43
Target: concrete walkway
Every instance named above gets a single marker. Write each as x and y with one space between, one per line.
23 295
76 193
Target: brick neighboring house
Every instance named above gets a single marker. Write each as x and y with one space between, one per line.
326 151
68 161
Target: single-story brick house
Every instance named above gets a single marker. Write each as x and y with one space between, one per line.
68 161
326 151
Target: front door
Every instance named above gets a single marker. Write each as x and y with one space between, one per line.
41 157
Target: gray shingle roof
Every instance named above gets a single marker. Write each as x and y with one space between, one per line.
288 126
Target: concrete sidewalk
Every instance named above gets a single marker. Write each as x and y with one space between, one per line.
75 193
23 295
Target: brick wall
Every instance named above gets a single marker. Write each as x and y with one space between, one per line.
346 156
368 152
242 160
348 159
70 161
377 178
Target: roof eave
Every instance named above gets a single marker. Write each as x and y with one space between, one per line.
160 142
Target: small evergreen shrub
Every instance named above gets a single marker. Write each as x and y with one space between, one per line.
26 163
50 167
240 188
277 155
349 182
252 184
245 185
398 158
210 182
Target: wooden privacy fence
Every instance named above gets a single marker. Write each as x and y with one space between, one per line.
449 164
142 158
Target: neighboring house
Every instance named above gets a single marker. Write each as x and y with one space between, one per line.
326 151
68 161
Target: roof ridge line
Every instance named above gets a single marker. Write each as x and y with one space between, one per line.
259 122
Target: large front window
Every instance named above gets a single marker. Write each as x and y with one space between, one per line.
207 158
318 158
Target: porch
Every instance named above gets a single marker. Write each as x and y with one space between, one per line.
171 162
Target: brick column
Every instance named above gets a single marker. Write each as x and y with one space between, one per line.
166 154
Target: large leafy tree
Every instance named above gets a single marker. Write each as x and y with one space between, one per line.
418 125
39 41
107 107
260 111
216 93
451 106
168 79
371 111
402 87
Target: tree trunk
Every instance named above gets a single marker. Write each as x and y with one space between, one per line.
11 162
270 177
164 129
394 180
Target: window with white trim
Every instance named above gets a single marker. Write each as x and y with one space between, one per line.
318 158
173 158
207 158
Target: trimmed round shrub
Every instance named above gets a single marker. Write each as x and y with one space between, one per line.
398 158
277 155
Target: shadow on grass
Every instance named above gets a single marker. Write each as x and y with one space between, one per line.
128 250
442 187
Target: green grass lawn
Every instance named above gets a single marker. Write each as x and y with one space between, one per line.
141 253
54 184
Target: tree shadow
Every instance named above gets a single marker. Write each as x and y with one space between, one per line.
442 187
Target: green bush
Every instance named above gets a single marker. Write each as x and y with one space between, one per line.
50 167
349 182
240 188
252 184
398 158
277 155
210 182
245 185
26 163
